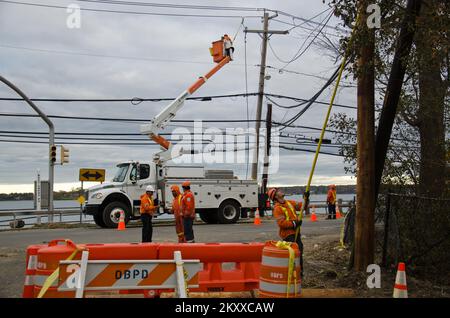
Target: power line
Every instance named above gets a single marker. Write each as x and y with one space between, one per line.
174 6
148 144
138 100
131 12
309 22
130 119
302 45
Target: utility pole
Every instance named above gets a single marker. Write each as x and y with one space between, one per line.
262 72
365 187
265 176
51 142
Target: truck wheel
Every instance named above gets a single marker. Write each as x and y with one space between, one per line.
229 212
98 219
111 214
209 216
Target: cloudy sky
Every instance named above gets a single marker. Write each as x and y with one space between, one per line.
118 55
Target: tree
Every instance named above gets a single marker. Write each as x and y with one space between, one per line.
417 152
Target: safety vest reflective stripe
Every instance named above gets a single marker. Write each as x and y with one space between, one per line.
292 210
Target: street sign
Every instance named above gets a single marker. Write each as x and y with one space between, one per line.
81 199
92 175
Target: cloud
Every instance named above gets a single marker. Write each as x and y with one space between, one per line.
161 56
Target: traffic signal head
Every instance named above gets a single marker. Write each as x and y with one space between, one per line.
64 155
53 154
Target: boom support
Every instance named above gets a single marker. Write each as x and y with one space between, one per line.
222 53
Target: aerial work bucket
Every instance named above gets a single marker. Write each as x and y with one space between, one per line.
217 51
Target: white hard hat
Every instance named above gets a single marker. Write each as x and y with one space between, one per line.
149 188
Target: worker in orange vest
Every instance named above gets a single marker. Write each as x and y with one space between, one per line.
176 210
288 220
147 210
188 211
331 202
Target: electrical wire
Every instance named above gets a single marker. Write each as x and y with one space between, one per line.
130 12
138 100
301 46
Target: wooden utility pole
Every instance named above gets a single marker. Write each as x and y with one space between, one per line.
262 73
365 188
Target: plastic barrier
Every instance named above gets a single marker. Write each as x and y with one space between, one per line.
275 280
243 276
30 270
47 262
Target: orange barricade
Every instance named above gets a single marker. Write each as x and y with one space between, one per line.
242 276
48 258
30 270
275 280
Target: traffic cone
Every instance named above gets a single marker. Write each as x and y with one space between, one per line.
257 220
338 213
400 289
121 225
313 214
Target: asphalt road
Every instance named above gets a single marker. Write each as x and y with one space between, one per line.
243 232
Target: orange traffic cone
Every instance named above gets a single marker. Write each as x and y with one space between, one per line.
257 220
313 214
338 213
121 225
400 289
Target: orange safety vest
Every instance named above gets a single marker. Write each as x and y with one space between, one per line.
284 220
188 205
147 205
331 197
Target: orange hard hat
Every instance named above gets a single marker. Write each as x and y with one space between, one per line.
175 188
271 193
186 184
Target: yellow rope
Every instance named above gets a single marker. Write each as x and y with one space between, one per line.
54 276
291 269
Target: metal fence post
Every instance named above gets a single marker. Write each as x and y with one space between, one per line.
386 229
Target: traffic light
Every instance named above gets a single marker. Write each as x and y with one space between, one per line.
64 155
53 154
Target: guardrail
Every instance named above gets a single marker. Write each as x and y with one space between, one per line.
38 215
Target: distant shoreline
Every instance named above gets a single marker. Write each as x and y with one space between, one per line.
73 195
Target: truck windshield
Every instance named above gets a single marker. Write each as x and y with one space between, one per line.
121 173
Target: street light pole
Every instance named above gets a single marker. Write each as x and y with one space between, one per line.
51 141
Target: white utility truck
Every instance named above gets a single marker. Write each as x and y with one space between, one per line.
219 196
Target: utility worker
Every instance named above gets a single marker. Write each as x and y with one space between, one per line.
147 210
331 202
188 211
228 46
176 210
287 219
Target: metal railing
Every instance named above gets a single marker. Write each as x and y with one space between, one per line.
27 214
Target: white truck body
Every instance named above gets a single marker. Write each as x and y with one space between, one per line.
219 196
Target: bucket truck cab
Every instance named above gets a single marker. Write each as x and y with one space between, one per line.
219 196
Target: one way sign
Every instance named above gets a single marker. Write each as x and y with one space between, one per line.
92 175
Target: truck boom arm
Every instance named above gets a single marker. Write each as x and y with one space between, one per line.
222 53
